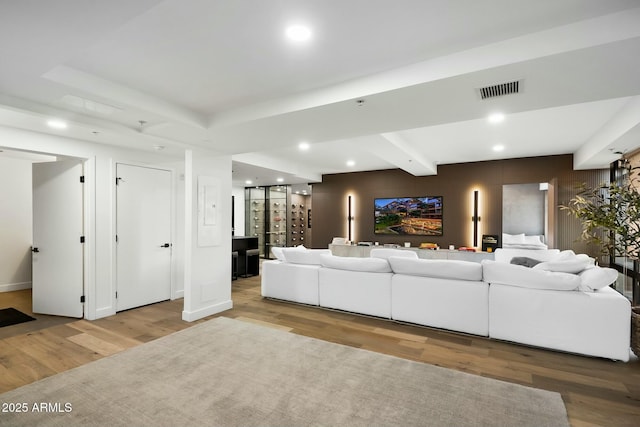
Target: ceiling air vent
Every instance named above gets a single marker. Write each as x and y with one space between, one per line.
89 106
499 89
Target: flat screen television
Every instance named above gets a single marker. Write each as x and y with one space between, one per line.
409 216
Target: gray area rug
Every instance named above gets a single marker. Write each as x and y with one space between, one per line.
226 372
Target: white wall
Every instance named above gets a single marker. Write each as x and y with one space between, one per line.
238 195
15 224
207 268
99 204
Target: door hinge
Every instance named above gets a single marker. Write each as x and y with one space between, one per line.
116 294
82 179
82 298
81 239
116 238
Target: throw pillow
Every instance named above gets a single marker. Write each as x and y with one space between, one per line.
279 252
564 256
512 239
523 277
595 278
574 266
307 256
525 261
533 240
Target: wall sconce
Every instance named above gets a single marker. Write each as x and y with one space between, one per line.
350 218
475 218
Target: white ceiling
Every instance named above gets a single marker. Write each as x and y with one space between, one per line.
220 75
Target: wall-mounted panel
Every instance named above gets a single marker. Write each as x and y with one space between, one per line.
523 209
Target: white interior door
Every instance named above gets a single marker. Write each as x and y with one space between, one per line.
143 236
57 262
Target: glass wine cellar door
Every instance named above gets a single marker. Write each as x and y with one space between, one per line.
277 217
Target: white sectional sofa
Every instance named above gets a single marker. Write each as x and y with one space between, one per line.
562 303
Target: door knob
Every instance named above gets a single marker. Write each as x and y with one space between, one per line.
35 250
166 245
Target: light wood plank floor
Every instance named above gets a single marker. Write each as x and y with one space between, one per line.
597 392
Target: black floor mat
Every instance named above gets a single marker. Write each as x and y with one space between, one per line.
11 316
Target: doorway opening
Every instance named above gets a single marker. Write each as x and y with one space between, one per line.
16 256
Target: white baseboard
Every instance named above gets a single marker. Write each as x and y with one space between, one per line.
103 312
190 316
9 287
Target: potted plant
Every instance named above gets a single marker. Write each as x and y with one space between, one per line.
610 217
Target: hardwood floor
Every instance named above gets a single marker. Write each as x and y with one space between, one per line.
21 300
596 392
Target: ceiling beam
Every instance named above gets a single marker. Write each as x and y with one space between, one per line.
618 135
120 95
397 151
276 164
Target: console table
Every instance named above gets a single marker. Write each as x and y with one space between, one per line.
365 251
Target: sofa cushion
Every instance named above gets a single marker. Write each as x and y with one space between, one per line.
594 278
524 277
385 253
374 265
308 256
440 268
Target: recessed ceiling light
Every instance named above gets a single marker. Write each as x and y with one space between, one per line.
298 33
351 163
303 146
57 124
248 182
498 147
280 179
496 118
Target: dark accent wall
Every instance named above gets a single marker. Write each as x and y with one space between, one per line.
455 183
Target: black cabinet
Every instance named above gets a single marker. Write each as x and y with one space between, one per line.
246 265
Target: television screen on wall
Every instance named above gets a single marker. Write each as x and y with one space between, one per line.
415 216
